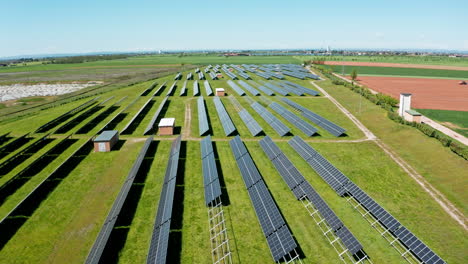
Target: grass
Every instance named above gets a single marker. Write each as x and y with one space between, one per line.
428 60
456 120
404 72
65 225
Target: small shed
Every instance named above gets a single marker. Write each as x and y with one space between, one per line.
166 126
106 140
412 116
220 92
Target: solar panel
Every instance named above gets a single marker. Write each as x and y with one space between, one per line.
254 128
203 126
274 122
213 76
159 90
349 240
302 88
262 88
135 116
317 119
183 91
289 88
171 90
278 235
236 88
224 117
210 174
189 76
275 88
196 89
178 76
302 125
160 237
208 89
249 88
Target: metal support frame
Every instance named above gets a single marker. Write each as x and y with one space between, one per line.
220 251
384 232
334 240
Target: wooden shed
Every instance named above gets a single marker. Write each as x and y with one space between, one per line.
166 126
106 140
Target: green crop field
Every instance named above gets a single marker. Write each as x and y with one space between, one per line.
456 120
427 60
403 72
63 222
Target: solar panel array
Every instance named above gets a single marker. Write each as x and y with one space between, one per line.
262 88
317 119
183 91
274 122
150 126
253 126
213 76
189 76
302 88
224 118
210 172
203 126
275 88
236 88
249 88
196 89
197 70
277 233
301 188
263 75
171 90
95 254
178 76
343 185
159 90
290 89
302 125
201 76
208 89
206 70
135 116
229 73
160 239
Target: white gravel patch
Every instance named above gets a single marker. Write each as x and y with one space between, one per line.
16 91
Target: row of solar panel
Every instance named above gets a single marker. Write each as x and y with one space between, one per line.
151 123
301 188
249 88
253 126
99 245
160 238
230 74
224 117
343 185
302 88
210 173
189 76
302 125
271 120
201 76
317 119
178 76
278 235
203 126
208 89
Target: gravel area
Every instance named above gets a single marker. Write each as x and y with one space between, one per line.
16 91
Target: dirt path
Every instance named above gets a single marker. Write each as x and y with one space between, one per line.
188 120
447 131
396 65
446 205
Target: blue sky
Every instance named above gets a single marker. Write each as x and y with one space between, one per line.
60 26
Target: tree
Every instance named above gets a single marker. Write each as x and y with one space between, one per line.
354 75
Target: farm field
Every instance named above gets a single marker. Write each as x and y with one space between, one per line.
401 72
438 94
420 60
456 120
63 222
396 65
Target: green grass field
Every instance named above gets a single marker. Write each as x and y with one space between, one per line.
404 72
456 120
64 226
428 60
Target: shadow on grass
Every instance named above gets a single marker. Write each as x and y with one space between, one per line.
112 125
14 145
133 126
12 185
74 122
95 121
122 226
16 218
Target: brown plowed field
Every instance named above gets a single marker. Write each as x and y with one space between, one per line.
427 93
396 65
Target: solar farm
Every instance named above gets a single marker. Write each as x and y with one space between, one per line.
273 171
